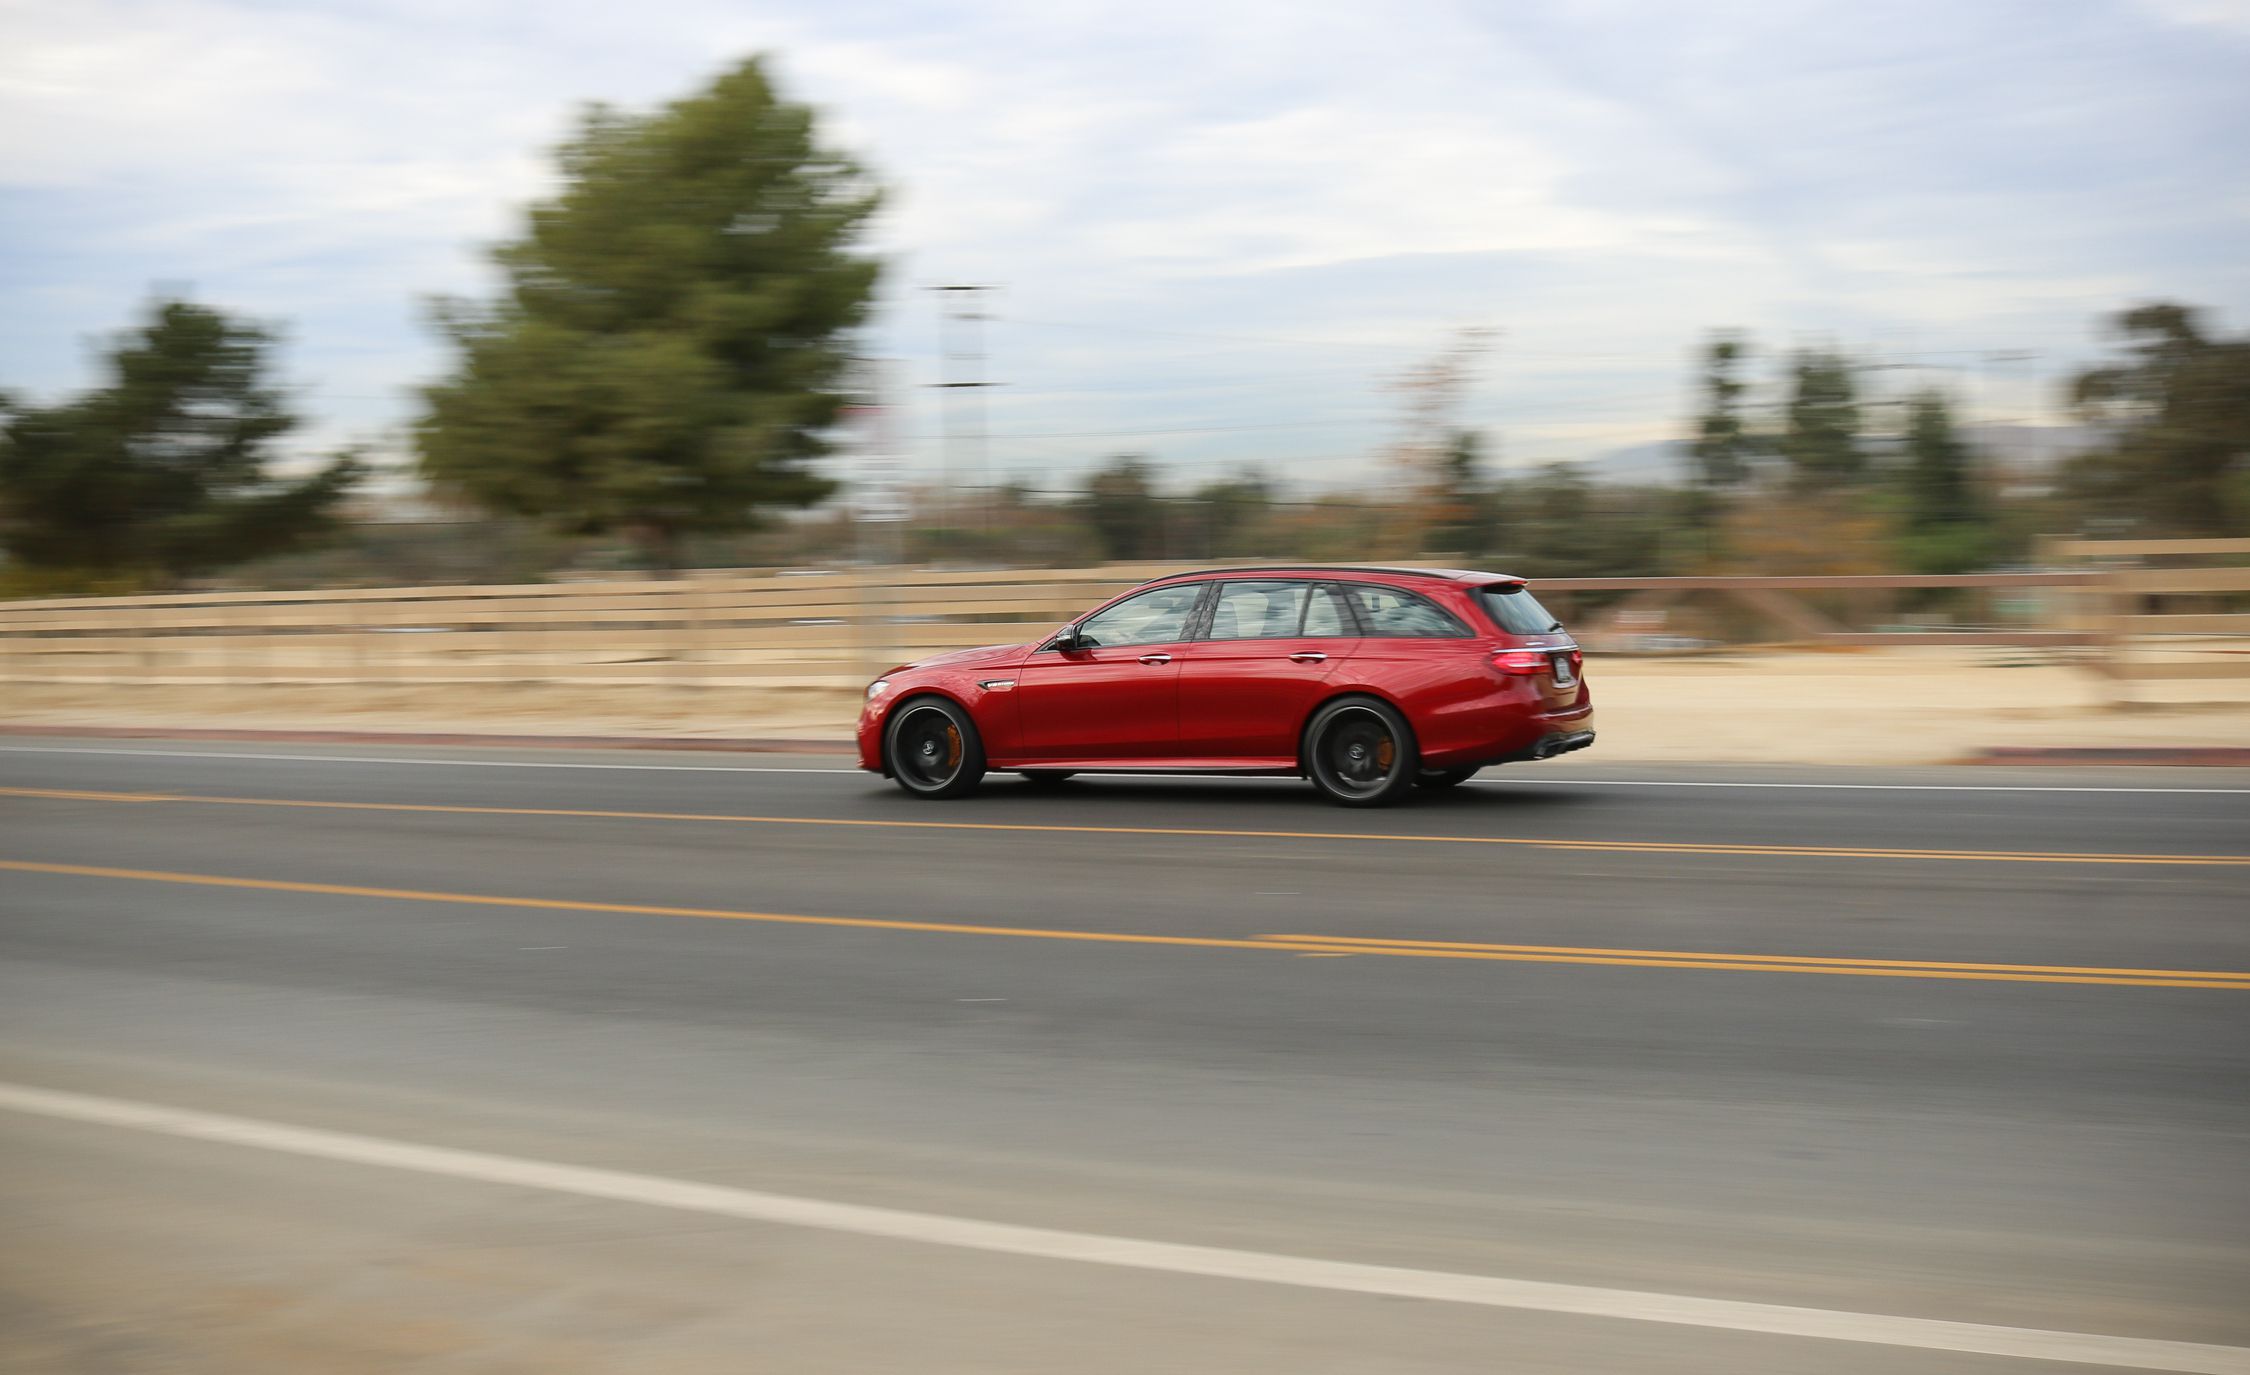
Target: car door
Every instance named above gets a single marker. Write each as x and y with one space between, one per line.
1117 696
1248 681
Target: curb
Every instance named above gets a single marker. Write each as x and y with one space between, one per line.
2187 756
736 744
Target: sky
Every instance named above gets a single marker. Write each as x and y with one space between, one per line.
1215 233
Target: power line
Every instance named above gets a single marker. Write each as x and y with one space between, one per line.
1195 429
1111 328
1306 342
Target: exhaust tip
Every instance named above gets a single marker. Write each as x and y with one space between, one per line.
1562 744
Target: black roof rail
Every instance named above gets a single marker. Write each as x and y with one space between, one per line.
1452 574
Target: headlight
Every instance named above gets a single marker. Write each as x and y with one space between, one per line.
878 688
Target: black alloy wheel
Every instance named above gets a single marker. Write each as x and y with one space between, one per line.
934 750
1360 753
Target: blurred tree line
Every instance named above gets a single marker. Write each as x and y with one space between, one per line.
1813 473
1826 472
670 352
1554 521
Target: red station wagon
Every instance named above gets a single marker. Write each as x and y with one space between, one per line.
1368 681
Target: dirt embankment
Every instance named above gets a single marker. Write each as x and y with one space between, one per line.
1891 706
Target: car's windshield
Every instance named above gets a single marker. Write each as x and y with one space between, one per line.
1515 610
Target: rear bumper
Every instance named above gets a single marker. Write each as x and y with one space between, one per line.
1548 746
1544 747
1507 728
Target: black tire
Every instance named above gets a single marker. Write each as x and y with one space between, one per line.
933 748
1360 753
1443 778
1046 778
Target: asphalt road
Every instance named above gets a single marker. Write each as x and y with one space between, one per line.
1890 1046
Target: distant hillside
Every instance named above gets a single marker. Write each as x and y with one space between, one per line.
2033 446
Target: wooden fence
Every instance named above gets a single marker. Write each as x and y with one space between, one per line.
2158 594
774 629
830 629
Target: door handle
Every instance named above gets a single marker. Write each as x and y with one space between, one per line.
1308 656
1156 658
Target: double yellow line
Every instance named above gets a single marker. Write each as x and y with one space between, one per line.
1770 964
1284 943
1654 847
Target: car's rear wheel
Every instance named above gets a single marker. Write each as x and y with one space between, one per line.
1047 778
1443 778
934 749
1360 753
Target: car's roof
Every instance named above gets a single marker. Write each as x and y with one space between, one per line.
1466 575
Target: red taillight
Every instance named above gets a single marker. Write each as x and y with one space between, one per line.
1530 663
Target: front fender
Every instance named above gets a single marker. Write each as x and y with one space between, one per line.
991 707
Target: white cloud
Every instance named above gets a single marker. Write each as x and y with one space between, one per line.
1343 183
2228 16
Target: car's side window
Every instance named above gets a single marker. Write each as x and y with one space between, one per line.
1156 617
1264 610
1326 614
1395 613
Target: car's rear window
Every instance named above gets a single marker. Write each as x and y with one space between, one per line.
1515 610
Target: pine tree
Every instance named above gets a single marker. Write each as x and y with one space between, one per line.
670 349
166 470
1820 434
1948 527
2180 411
1723 445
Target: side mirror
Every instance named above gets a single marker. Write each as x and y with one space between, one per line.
1065 639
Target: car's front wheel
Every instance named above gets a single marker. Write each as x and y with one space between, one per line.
1360 753
934 748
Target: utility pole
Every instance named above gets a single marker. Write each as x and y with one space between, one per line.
961 377
877 499
874 505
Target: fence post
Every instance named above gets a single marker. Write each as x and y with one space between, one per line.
356 634
870 596
2113 607
681 622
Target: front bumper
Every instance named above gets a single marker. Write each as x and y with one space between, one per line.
870 738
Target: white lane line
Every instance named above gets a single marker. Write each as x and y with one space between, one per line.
1928 1334
1846 787
850 771
846 772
